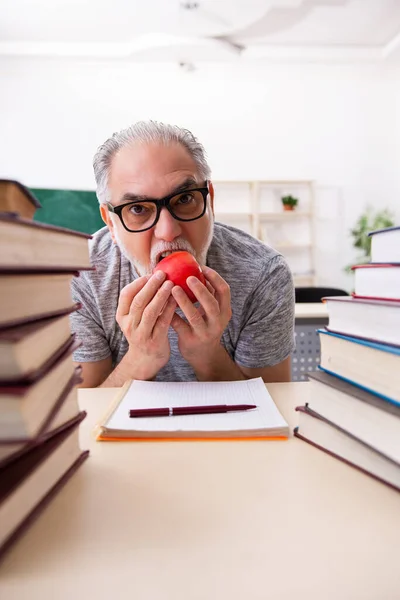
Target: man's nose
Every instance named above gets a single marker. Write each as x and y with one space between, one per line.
167 228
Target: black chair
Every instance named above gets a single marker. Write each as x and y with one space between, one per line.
314 294
307 353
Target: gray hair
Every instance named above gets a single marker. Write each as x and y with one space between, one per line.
145 132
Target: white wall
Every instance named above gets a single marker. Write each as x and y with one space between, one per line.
338 125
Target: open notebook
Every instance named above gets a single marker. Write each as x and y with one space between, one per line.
265 421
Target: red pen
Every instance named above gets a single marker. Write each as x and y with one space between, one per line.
188 410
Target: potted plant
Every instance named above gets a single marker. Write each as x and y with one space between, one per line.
367 222
289 202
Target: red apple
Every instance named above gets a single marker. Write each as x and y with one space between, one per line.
178 266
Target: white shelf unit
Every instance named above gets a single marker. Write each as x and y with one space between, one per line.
255 207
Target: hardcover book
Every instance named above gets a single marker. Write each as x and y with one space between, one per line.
27 296
360 413
24 349
385 245
29 483
369 365
40 246
16 198
63 410
377 281
369 319
24 407
333 440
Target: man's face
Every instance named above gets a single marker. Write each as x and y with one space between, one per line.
155 171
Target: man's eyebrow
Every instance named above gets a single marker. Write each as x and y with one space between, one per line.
188 183
185 185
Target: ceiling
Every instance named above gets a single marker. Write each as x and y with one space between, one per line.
214 30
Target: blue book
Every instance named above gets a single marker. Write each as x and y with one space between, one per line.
369 365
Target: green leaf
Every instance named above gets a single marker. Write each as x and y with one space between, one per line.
367 222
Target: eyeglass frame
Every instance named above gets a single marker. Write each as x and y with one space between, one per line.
161 203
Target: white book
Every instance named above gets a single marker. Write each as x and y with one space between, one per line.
385 245
376 320
264 421
381 281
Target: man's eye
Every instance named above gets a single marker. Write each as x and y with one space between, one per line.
185 198
137 209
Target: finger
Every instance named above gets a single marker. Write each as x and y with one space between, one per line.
146 294
222 289
191 313
205 297
128 293
155 308
202 311
210 288
164 320
179 325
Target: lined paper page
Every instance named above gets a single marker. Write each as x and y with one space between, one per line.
150 394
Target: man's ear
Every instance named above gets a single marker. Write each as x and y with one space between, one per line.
211 189
105 215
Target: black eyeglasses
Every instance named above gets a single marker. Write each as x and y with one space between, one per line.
139 215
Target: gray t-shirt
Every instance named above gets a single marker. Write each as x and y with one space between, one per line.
259 334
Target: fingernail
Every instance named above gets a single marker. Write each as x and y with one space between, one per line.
193 280
177 291
159 275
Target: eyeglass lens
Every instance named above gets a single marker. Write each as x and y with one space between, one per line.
141 215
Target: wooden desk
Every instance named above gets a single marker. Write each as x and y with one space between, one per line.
210 520
310 310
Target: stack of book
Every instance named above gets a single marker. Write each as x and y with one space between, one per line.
39 413
353 411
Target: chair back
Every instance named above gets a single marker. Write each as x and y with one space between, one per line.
315 294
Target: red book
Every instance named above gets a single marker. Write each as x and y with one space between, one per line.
377 281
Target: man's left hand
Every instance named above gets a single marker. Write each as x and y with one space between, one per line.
199 339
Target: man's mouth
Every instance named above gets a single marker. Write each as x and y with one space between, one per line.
164 254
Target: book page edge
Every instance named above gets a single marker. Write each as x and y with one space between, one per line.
101 426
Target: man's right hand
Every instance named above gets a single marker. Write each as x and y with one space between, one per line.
144 314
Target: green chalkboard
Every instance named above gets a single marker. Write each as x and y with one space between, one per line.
74 209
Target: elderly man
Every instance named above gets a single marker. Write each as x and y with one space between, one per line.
156 197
